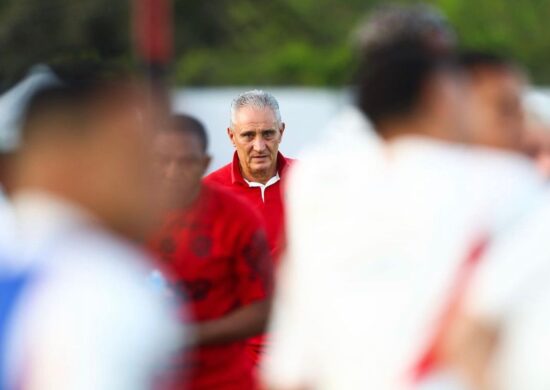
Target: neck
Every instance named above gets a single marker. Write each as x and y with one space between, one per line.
259 177
392 130
193 196
182 202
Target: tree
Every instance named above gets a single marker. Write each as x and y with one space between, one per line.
59 32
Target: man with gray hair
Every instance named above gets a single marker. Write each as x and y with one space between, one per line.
256 131
257 169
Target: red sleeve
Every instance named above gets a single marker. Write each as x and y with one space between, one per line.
254 265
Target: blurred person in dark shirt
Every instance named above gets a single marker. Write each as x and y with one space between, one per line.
213 249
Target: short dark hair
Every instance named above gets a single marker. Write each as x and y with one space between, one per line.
473 60
391 79
71 97
190 125
415 23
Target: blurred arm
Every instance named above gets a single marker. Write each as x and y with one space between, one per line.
243 323
468 350
253 269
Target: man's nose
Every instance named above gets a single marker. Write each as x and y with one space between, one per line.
170 171
259 144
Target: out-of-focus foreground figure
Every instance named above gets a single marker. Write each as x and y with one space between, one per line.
12 105
386 232
537 138
214 251
82 193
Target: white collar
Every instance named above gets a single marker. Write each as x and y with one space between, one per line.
263 187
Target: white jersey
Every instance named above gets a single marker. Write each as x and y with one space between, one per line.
511 292
376 235
90 319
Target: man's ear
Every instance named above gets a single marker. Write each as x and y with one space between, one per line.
231 136
282 128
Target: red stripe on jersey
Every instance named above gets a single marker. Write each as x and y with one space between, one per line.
430 358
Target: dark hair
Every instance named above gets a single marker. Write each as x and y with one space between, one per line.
417 23
473 60
71 98
392 78
191 125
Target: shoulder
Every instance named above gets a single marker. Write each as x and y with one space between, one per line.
90 289
508 177
289 161
101 276
220 176
103 306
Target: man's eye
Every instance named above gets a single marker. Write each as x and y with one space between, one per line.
269 134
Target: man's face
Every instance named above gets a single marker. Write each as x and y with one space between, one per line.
256 135
495 113
116 161
180 163
443 102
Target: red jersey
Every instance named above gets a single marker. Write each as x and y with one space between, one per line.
269 203
217 259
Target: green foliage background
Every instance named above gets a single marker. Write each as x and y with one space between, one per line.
248 42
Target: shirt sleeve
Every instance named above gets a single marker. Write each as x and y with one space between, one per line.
253 262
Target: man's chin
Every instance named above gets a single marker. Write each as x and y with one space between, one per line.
259 169
261 164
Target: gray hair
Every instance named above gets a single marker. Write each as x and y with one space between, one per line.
257 99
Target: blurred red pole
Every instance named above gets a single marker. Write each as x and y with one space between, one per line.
153 34
153 42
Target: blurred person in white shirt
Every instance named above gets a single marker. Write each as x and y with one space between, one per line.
498 338
537 137
12 103
382 230
83 197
